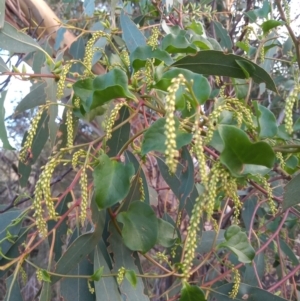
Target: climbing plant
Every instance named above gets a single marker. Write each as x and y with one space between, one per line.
187 186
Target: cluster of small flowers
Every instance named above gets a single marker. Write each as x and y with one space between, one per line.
279 156
125 57
84 195
43 192
287 12
171 152
89 52
141 189
236 283
121 274
268 189
153 39
30 136
111 120
91 289
198 149
76 156
23 275
62 79
148 72
70 132
39 275
76 102
248 29
262 54
191 239
162 257
289 104
231 191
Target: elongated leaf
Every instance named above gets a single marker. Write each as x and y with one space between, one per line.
141 54
106 288
131 34
270 24
246 292
223 36
167 234
34 98
3 66
59 37
15 41
81 247
291 193
13 291
2 13
207 240
112 181
250 275
191 293
121 135
123 257
237 241
3 133
213 62
239 151
140 227
154 138
89 7
46 293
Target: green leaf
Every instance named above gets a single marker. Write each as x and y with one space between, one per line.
46 293
167 234
81 247
208 241
197 27
202 43
291 193
131 277
131 34
111 85
177 43
237 241
246 292
213 62
266 120
3 133
112 181
140 226
141 54
3 66
98 274
83 89
34 98
222 36
13 40
123 257
199 83
239 151
106 288
270 24
250 275
13 291
154 138
2 13
191 293
45 276
247 68
121 135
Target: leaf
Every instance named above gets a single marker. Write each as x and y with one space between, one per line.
154 138
167 234
112 181
178 43
106 288
247 68
68 285
246 292
3 133
81 247
121 135
197 27
15 41
3 66
213 62
34 98
77 51
222 36
59 38
13 291
208 240
199 83
237 242
291 193
123 257
10 225
2 13
142 54
131 277
89 7
46 293
239 151
111 85
131 34
266 120
98 274
270 24
250 275
202 42
191 293
140 227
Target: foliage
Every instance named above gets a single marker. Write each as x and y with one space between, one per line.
188 174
